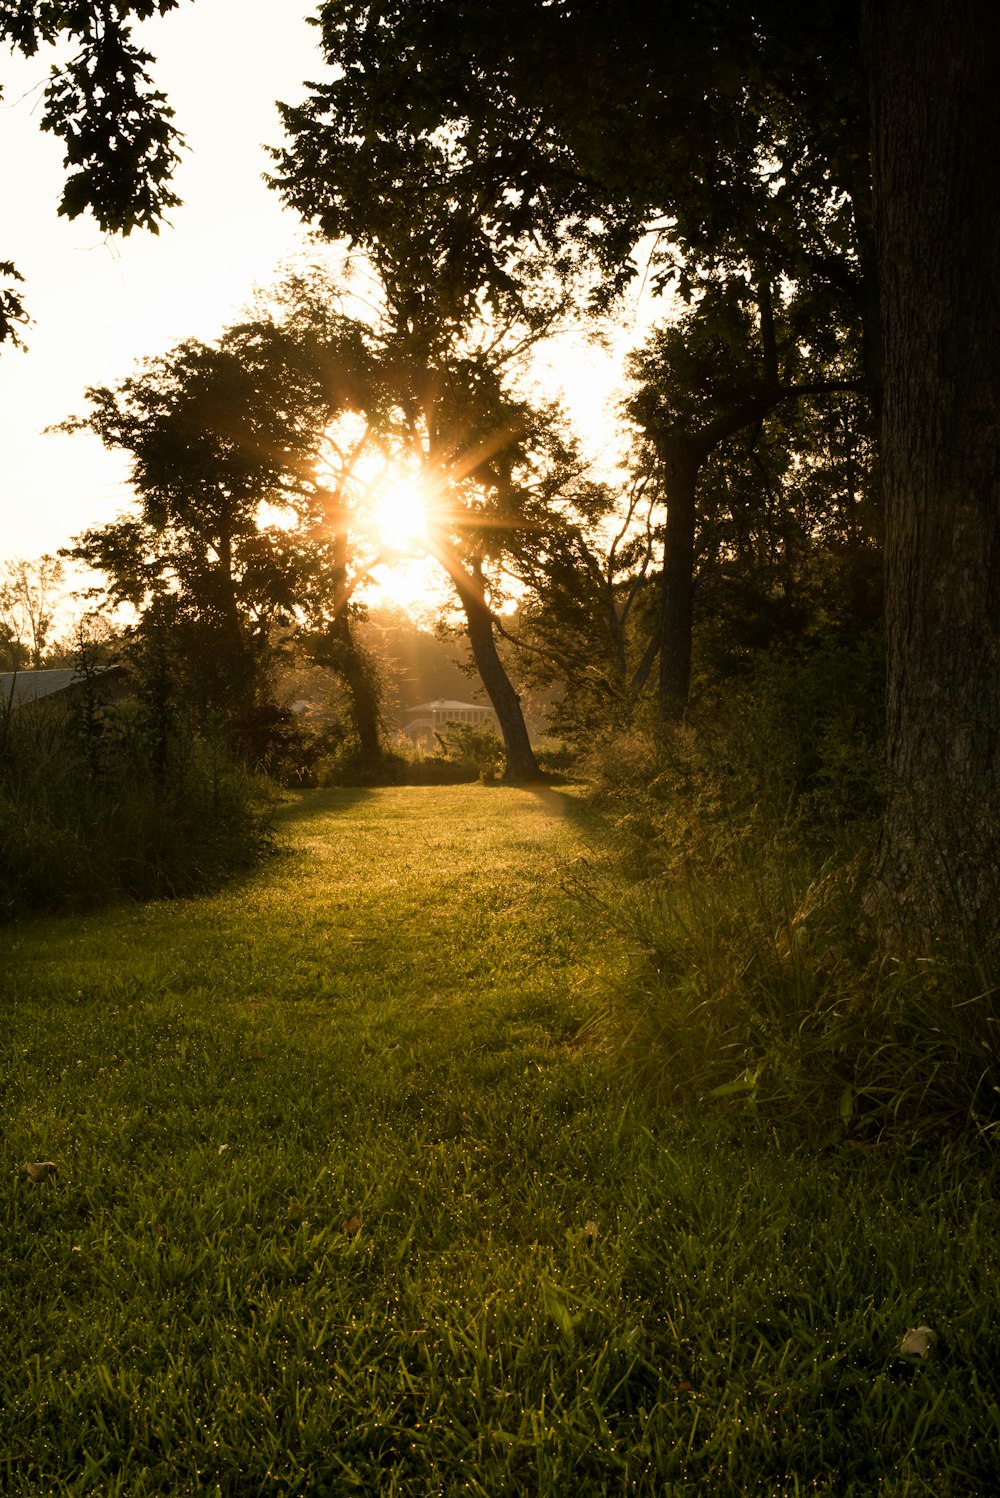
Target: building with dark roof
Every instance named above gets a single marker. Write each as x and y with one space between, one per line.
59 687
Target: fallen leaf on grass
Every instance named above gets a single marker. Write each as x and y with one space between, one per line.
39 1170
351 1227
919 1342
585 1235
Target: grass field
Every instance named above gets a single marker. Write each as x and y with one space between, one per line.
355 1194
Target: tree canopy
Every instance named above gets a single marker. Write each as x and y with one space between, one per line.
454 142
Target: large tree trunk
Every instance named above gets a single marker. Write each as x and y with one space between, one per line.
934 67
522 766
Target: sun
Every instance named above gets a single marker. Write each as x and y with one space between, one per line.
398 512
399 515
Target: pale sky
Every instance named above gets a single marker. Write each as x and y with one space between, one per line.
99 305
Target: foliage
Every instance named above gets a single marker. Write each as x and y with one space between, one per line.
217 434
745 840
793 748
579 632
12 310
477 746
453 148
28 597
576 128
763 994
100 803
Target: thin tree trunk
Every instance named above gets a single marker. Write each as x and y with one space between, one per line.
681 461
933 67
239 679
362 686
522 766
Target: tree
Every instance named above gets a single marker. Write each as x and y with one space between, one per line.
447 144
936 130
737 355
586 123
28 597
121 147
212 436
502 142
587 581
493 462
337 393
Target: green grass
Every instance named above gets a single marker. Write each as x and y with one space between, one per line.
408 1021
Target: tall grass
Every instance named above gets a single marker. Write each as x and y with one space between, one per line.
745 842
92 809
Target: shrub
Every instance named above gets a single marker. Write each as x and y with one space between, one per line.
793 752
476 747
92 810
556 756
287 747
745 839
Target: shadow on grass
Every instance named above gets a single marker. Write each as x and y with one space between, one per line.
558 801
313 803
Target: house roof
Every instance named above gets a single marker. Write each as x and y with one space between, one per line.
31 686
440 705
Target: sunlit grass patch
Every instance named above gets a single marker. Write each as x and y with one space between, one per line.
354 1195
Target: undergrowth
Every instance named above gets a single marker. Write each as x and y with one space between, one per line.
745 839
93 808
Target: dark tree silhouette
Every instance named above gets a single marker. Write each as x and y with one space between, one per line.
934 66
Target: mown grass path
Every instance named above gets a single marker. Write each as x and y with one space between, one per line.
354 1196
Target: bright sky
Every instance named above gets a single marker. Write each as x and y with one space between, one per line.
99 305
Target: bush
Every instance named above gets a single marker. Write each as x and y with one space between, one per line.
476 747
792 753
92 810
468 752
745 840
557 757
287 747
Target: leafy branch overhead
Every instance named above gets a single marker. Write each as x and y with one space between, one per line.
120 143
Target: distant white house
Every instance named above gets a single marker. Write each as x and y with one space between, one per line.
428 718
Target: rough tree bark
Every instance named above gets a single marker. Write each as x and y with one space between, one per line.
933 67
